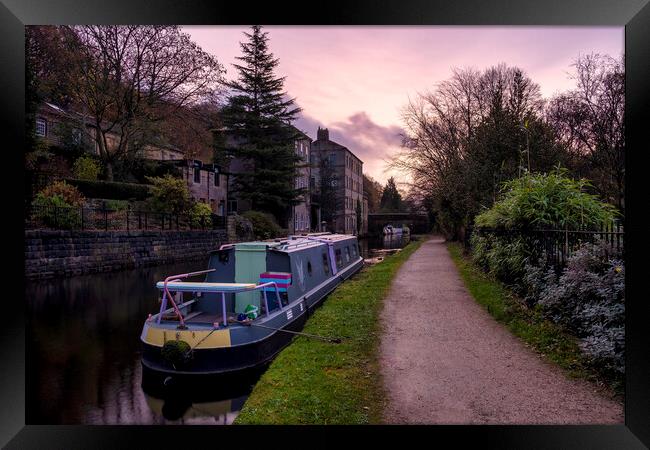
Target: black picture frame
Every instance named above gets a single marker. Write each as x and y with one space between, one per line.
633 14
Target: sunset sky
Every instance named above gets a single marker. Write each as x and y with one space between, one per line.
356 80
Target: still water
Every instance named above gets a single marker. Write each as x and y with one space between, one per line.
83 352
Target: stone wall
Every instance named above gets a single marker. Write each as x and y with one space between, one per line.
64 253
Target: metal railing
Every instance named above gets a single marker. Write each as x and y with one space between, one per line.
193 288
555 245
82 218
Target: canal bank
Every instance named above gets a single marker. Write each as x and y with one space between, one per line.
50 254
316 382
83 351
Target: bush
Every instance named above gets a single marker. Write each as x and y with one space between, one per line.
58 206
169 195
264 225
539 200
201 215
86 168
116 205
112 189
588 298
504 257
68 193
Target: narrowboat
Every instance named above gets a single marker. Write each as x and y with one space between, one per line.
390 230
234 318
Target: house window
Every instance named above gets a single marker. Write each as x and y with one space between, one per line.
197 175
232 206
221 207
216 177
76 136
41 127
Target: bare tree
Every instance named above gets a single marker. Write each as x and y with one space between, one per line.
129 78
440 126
589 121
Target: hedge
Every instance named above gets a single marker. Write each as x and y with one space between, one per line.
111 189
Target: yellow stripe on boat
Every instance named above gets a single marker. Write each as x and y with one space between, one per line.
218 338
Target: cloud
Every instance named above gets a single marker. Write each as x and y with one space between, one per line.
372 143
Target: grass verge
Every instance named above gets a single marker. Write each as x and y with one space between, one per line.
314 382
539 333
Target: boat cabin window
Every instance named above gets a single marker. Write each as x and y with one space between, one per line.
347 254
339 260
326 266
309 267
354 250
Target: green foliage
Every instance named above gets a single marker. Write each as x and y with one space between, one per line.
391 199
112 189
58 205
504 258
169 194
258 115
200 215
86 168
315 382
116 205
68 193
264 225
546 200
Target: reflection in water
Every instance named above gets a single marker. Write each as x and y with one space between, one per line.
83 351
371 245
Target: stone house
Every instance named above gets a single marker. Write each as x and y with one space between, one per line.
206 182
347 179
299 220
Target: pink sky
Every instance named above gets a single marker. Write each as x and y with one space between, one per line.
355 80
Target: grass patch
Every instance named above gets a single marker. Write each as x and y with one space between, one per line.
314 382
545 337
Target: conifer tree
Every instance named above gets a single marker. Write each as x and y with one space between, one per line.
258 119
391 199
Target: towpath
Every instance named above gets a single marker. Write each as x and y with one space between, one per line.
445 360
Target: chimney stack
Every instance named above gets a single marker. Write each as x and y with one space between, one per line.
322 134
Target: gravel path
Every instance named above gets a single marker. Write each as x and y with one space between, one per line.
446 361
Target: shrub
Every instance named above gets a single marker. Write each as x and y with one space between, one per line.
169 194
504 257
58 206
68 193
589 299
243 228
539 200
264 225
116 205
86 168
112 189
201 215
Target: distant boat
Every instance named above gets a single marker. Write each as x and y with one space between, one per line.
389 229
251 290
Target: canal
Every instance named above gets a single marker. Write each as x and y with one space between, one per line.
83 352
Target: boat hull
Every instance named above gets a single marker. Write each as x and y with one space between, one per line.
248 356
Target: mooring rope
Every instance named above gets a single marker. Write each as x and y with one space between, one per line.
315 336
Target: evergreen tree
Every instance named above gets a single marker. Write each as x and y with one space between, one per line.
391 200
258 118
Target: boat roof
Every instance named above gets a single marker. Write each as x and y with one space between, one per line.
292 243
